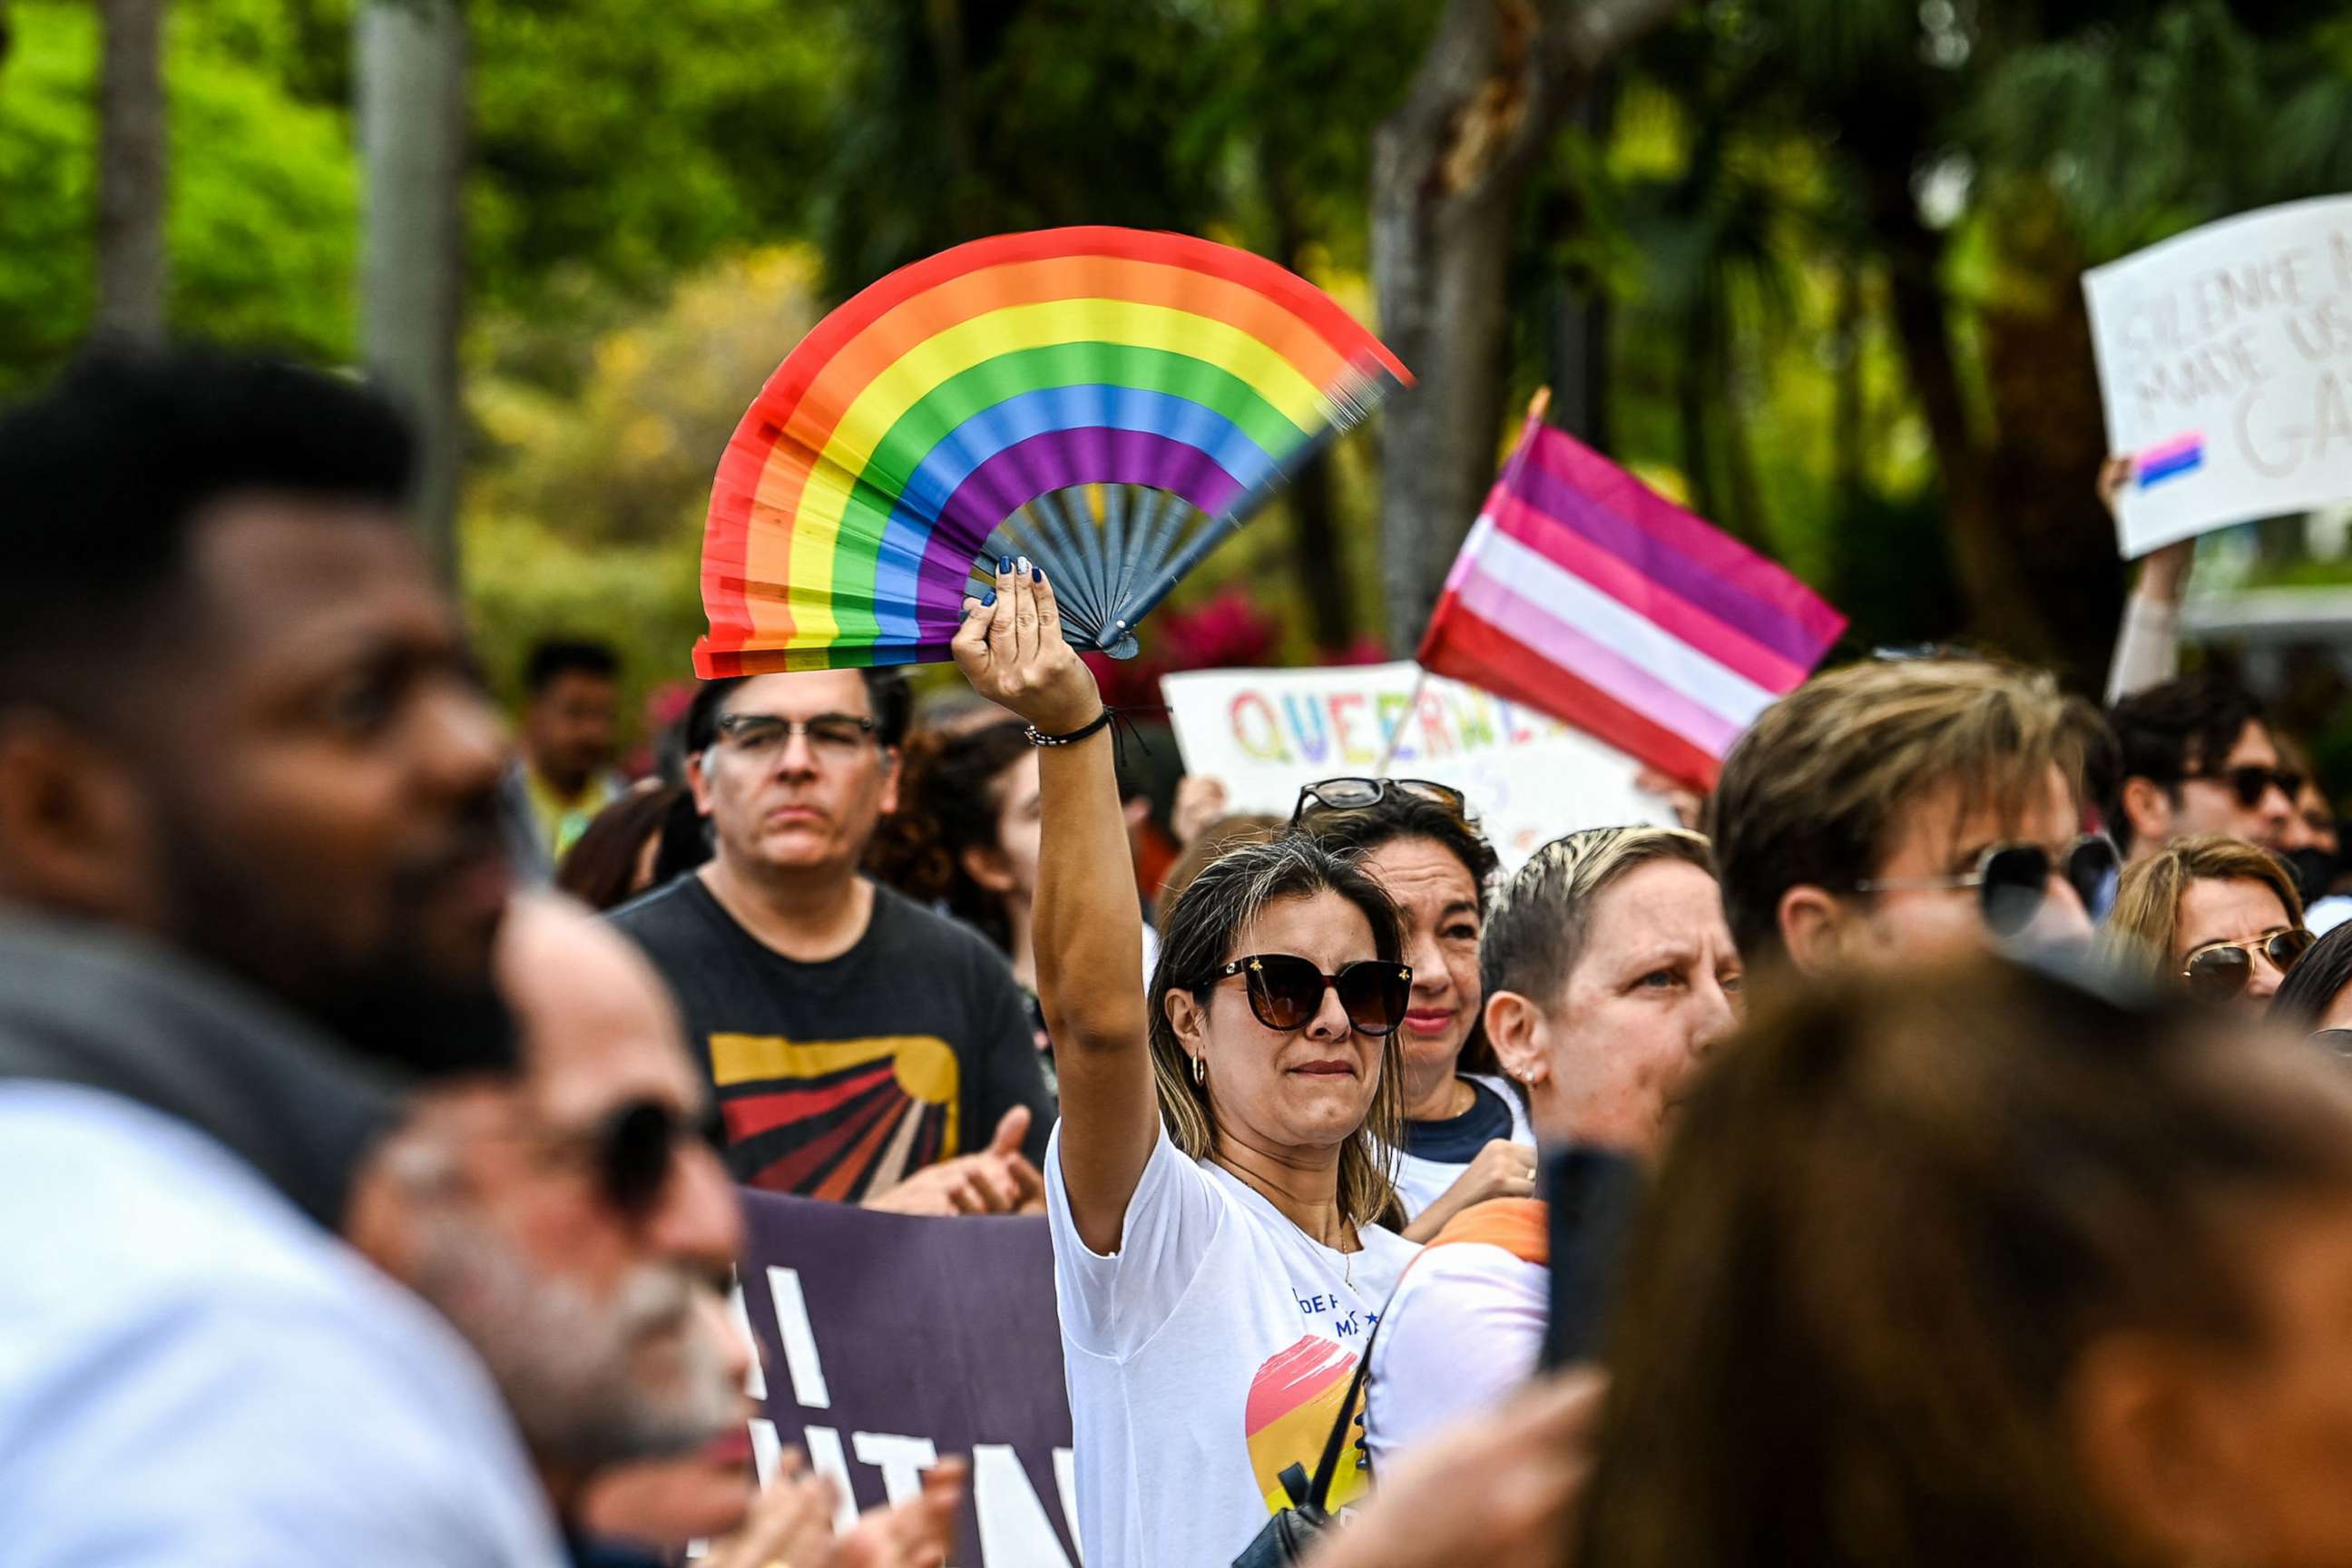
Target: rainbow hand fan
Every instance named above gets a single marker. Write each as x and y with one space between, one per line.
1109 403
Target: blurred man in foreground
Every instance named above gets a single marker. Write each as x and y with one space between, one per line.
1888 811
250 873
579 1231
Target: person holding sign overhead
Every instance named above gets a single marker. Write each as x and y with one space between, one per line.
1213 1182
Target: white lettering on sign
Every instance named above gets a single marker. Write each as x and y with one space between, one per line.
755 1381
826 1459
1012 1523
902 1461
799 1340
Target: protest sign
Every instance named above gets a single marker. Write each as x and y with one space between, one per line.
2223 357
1529 778
887 1343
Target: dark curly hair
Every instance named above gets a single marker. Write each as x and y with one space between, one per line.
949 798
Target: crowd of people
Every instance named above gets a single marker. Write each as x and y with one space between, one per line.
376 1089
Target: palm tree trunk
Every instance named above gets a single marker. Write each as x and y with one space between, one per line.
411 80
133 172
1318 554
1448 169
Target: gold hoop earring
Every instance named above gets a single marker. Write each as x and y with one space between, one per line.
1199 1069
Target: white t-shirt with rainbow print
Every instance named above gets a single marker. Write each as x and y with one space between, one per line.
1213 1350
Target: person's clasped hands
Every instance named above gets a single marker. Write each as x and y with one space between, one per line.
999 1179
791 1526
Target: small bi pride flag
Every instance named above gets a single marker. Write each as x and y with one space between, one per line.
2170 459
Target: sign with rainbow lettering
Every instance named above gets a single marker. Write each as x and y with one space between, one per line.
2225 364
1528 777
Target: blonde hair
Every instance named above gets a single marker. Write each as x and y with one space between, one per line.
2144 927
1201 926
1536 929
1808 795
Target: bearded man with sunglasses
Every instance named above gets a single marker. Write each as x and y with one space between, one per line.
862 1047
2196 756
1889 811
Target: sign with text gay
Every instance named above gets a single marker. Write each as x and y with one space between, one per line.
2225 364
1528 778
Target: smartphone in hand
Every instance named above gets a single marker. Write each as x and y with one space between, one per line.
1594 1195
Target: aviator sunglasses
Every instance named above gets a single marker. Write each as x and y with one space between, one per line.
2011 880
2220 970
1286 991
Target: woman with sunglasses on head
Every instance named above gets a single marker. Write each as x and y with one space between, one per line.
1467 1134
1214 1182
2215 916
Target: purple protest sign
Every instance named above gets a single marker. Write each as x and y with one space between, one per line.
889 1341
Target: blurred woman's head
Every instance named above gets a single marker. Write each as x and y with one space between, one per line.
965 833
1973 1266
1416 840
2215 915
1609 975
2317 992
1249 1047
616 856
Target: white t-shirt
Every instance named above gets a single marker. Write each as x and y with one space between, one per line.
1437 1152
1213 1349
1464 1331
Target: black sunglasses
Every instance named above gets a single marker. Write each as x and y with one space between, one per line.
2253 782
1286 991
1360 794
2221 971
2011 880
634 1151
2335 1042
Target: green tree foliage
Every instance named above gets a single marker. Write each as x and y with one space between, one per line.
264 208
585 514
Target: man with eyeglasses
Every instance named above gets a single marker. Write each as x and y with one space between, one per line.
862 1048
2196 756
1892 810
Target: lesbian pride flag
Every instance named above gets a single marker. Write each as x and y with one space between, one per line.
1585 593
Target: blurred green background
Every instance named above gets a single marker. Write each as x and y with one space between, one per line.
1811 266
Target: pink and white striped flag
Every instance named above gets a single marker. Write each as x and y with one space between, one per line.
1585 593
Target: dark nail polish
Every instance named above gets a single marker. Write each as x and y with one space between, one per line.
1004 566
989 600
1041 573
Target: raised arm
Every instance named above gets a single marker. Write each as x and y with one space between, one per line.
2147 646
1089 931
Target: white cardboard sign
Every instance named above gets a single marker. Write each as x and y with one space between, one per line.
2225 365
1528 778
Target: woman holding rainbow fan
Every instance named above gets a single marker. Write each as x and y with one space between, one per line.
1212 1182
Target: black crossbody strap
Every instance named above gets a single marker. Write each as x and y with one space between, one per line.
1327 1470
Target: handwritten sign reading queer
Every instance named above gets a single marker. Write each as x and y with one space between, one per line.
2225 364
1528 778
